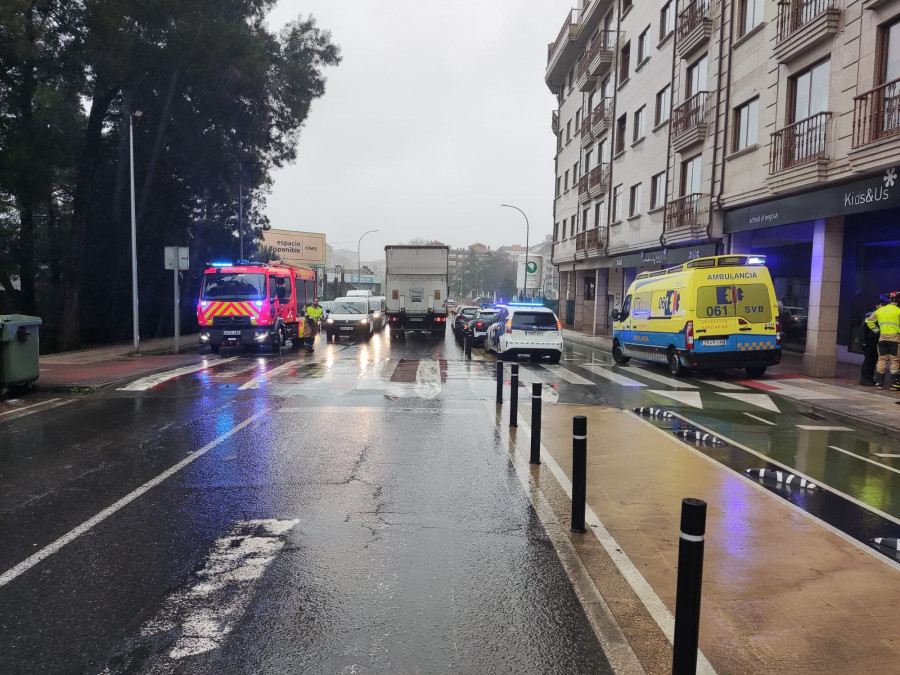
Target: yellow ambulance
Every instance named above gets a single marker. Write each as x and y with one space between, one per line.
709 313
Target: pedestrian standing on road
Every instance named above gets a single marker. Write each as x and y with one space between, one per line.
870 345
313 315
886 320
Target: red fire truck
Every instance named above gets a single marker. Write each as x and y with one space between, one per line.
253 304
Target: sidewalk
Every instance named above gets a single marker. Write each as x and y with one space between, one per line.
839 398
101 366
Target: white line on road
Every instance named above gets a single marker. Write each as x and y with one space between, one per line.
26 407
760 419
759 400
207 610
268 375
151 381
723 384
691 398
428 378
865 459
813 427
50 549
613 377
656 377
879 454
567 375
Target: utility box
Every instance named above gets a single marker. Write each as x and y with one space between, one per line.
19 349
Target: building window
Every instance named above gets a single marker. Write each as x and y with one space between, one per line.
597 211
558 184
751 15
602 152
587 162
810 91
746 124
626 5
564 228
666 19
555 231
578 118
620 133
658 190
568 131
574 173
634 200
690 175
566 181
624 62
643 46
584 219
589 288
663 105
639 124
617 204
696 77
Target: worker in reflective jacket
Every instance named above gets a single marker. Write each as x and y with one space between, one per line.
886 320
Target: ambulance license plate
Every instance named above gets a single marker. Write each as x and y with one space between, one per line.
231 332
534 332
715 343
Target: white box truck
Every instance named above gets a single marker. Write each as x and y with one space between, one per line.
415 283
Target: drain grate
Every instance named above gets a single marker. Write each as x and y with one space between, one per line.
812 416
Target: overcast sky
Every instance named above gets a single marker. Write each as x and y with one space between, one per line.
437 115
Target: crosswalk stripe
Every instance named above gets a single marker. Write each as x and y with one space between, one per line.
723 384
691 398
656 377
612 376
567 375
151 381
269 375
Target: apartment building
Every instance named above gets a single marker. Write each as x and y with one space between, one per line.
783 139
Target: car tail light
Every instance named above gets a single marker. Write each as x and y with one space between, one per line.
479 325
509 325
777 330
689 335
558 325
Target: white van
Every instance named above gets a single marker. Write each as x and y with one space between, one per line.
359 294
351 317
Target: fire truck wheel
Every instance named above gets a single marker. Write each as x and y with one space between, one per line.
215 348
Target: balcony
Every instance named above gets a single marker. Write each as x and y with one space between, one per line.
594 239
803 24
601 52
687 215
584 81
568 32
601 116
587 136
598 180
554 125
694 28
583 192
876 126
798 153
689 121
580 241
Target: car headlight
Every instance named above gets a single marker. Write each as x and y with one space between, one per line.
261 336
330 321
204 336
364 321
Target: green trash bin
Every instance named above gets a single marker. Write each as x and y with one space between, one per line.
19 349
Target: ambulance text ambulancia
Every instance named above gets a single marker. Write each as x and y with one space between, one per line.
717 312
252 304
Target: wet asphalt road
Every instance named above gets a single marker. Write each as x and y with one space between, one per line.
350 510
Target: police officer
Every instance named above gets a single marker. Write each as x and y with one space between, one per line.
870 345
313 314
887 320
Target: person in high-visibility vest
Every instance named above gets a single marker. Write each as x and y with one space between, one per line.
886 320
313 315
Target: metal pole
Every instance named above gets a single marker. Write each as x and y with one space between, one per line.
579 472
241 207
514 396
468 345
527 229
499 382
536 422
177 302
690 580
134 277
358 267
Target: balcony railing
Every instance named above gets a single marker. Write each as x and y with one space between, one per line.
690 211
594 239
582 186
571 20
602 45
876 114
580 241
554 125
692 17
585 129
598 178
602 112
799 143
691 113
793 15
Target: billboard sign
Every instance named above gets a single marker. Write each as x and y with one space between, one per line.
530 280
302 248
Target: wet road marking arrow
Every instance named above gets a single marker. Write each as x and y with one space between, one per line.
759 400
865 459
691 398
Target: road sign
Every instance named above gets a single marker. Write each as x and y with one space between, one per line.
179 255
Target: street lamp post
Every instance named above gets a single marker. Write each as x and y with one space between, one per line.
134 278
525 276
358 267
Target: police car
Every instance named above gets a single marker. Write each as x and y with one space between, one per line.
523 328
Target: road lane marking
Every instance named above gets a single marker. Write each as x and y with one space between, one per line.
760 419
800 393
813 427
759 400
691 398
151 381
52 548
26 407
879 454
204 613
528 377
567 375
267 376
613 377
428 378
644 591
723 384
865 459
678 384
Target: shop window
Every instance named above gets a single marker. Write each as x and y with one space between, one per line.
589 288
